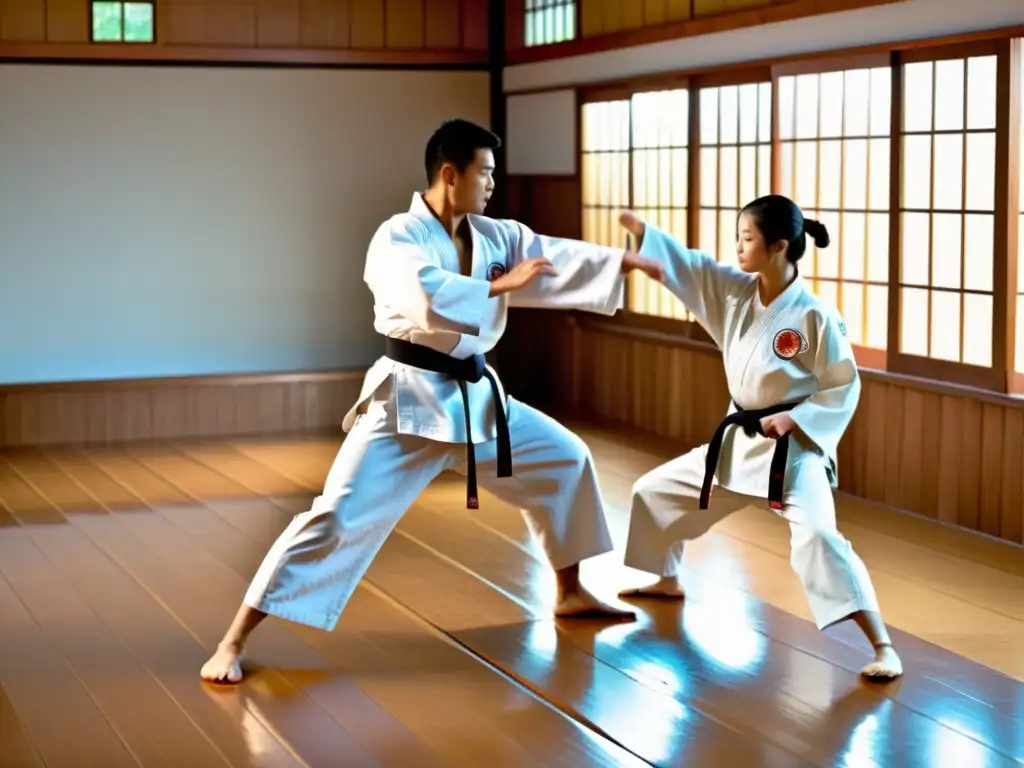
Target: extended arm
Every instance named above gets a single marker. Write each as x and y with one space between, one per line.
402 276
694 277
588 277
824 416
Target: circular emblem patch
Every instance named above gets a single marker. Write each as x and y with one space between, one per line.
495 270
789 343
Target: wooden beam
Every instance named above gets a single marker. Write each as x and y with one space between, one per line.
204 54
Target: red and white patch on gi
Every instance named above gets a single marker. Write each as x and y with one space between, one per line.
495 270
789 343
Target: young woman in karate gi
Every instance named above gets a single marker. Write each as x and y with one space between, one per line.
794 386
443 276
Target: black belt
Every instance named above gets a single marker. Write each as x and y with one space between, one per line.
750 421
472 369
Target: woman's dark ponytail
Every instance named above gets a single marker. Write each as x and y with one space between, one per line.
817 232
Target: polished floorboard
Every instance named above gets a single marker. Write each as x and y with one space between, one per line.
120 568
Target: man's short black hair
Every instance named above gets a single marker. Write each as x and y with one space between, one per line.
456 142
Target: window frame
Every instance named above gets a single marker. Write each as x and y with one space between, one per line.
526 13
92 29
992 378
867 357
756 74
1010 94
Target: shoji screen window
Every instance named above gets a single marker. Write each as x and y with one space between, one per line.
660 176
735 160
604 138
834 131
549 21
947 218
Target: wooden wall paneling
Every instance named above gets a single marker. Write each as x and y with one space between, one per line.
279 23
68 21
474 25
443 24
174 408
325 23
654 11
591 19
23 20
516 202
551 205
599 17
270 31
895 458
968 514
949 468
181 22
677 10
367 23
633 15
927 490
515 23
989 511
229 23
406 25
1011 492
611 15
535 371
717 7
912 443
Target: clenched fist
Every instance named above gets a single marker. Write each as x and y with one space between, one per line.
778 425
634 225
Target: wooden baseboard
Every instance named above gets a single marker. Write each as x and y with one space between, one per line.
92 412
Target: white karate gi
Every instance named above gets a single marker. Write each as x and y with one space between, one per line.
408 425
817 369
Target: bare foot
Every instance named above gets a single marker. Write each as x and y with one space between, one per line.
667 587
886 666
580 604
224 666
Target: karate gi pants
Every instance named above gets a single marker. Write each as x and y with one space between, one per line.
311 571
665 514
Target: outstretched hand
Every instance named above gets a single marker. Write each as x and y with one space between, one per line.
632 260
521 274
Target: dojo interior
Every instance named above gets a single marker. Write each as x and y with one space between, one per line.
187 190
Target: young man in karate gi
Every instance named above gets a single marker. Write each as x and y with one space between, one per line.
443 276
795 386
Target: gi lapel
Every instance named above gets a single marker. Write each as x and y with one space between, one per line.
748 345
437 241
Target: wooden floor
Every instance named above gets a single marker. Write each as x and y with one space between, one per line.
119 570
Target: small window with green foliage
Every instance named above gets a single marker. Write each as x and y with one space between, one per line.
122 22
551 21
